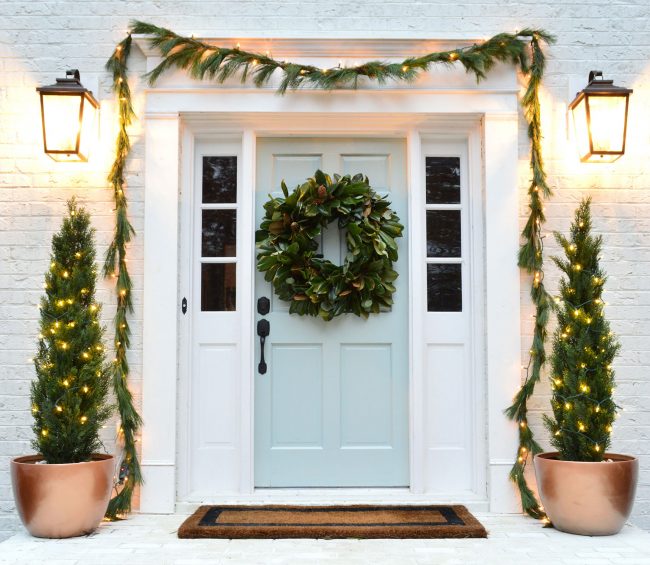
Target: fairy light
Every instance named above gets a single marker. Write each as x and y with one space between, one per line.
85 388
65 274
60 303
59 409
66 383
93 307
85 355
567 406
77 255
83 419
44 433
581 427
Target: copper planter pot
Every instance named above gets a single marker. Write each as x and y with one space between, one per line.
587 498
62 500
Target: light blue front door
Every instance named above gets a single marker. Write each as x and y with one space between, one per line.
332 408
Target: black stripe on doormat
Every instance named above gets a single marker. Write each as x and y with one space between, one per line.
212 515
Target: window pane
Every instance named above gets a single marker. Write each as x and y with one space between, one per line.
443 233
218 287
219 180
219 233
444 288
443 180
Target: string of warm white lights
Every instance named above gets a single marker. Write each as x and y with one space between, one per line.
218 63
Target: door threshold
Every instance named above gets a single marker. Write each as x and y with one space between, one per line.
340 495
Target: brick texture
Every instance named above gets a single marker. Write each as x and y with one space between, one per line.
40 40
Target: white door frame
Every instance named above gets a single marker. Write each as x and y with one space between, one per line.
175 116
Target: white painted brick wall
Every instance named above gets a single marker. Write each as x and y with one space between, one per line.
39 40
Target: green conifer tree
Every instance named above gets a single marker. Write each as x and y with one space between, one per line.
584 348
69 395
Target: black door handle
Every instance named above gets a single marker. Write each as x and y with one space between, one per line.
263 330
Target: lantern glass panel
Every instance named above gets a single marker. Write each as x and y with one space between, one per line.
88 128
607 122
581 128
61 122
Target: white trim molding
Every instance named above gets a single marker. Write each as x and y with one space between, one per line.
180 111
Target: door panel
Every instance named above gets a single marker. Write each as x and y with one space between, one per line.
332 409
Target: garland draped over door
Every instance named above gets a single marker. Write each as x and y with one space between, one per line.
216 63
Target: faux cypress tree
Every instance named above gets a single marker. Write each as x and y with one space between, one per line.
584 348
69 395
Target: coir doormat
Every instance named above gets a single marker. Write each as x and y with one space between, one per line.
332 522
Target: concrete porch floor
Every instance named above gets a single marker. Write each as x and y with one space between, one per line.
151 539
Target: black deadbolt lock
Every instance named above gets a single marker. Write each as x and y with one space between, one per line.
263 305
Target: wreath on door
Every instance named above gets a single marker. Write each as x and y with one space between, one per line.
314 286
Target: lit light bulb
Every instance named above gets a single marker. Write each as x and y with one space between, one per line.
597 409
77 255
44 433
581 427
85 389
567 406
83 419
59 409
597 447
65 382
66 274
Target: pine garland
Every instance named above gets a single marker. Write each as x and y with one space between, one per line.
217 64
115 266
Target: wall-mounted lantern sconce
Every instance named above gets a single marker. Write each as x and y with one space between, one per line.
69 116
600 119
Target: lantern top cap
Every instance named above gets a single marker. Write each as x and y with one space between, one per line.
71 84
598 85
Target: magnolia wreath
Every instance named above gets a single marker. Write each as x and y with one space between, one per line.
287 247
